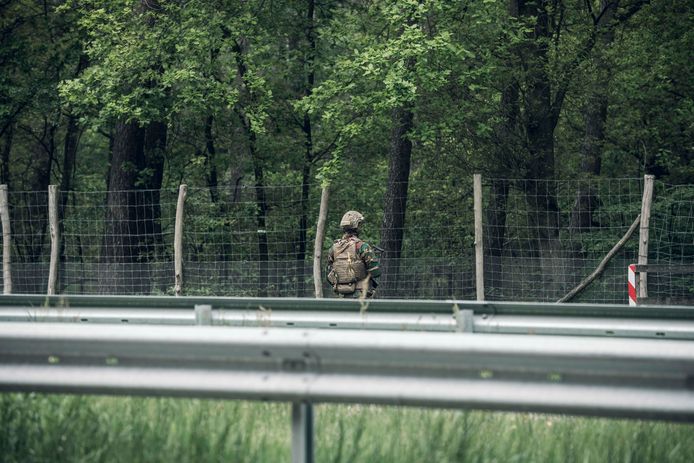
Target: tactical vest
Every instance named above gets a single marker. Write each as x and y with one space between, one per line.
347 265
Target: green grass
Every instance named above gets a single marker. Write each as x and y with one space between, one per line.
58 428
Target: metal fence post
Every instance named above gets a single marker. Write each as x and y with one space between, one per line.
302 432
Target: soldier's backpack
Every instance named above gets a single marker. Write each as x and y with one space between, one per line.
348 268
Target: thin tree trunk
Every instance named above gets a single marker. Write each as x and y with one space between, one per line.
595 119
31 230
220 204
502 168
495 235
539 123
303 228
151 167
210 160
261 199
72 139
309 33
72 136
261 218
5 159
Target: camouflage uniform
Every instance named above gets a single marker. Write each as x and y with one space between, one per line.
367 255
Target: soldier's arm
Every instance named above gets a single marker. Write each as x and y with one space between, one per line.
368 255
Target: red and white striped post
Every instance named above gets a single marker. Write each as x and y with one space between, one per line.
631 283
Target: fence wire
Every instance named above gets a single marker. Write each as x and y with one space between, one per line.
541 238
118 242
30 240
671 245
544 237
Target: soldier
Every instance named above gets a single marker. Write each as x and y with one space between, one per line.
352 265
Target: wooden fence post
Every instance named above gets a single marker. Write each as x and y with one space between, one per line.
6 240
479 238
55 243
318 244
178 240
643 233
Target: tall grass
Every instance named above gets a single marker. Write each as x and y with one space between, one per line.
57 428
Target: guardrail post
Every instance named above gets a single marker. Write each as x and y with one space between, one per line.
302 432
203 314
464 319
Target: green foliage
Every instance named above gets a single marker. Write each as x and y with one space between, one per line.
152 63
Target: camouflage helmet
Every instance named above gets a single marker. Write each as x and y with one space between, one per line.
351 220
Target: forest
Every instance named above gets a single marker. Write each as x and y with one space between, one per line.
390 105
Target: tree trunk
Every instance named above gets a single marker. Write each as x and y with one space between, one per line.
261 218
595 119
260 196
151 175
504 166
540 118
210 160
395 200
495 235
221 205
72 139
539 123
72 135
132 233
5 159
119 245
303 227
30 220
306 128
71 144
133 211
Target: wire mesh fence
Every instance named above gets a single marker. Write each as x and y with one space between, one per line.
118 242
30 240
541 238
672 241
544 237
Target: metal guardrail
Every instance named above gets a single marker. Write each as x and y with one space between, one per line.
501 318
499 324
603 377
353 306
